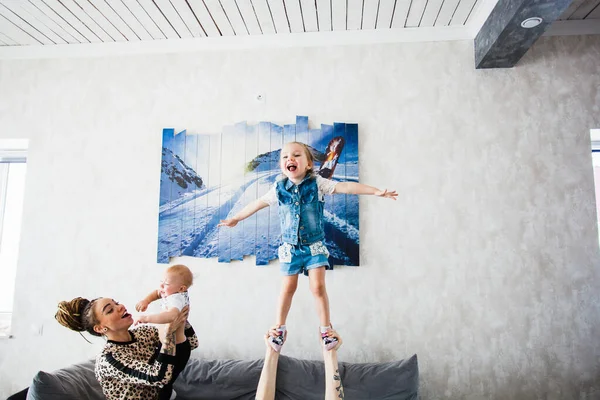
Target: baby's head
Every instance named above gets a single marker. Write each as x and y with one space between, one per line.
177 279
296 160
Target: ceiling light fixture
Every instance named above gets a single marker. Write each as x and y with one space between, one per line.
531 22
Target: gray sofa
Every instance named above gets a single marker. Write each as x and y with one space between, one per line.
237 380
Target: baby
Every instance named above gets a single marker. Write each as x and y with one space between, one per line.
173 292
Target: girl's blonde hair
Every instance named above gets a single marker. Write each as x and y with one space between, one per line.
309 155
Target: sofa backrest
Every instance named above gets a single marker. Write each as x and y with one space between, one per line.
298 380
230 379
76 382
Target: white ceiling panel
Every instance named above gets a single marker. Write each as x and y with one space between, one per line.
143 19
171 15
158 19
60 22
432 10
324 13
369 17
73 8
92 10
463 12
10 16
53 7
280 17
595 14
415 14
338 15
401 13
354 14
205 18
232 12
124 20
15 33
386 11
294 14
187 16
50 22
215 9
263 14
44 24
447 12
571 9
309 15
7 40
247 10
584 10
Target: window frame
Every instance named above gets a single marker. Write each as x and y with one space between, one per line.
12 151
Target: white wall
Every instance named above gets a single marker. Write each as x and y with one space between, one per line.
486 266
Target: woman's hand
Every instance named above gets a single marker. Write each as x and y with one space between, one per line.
333 333
273 332
179 321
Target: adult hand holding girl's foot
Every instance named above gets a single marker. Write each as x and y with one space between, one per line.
276 337
332 337
333 380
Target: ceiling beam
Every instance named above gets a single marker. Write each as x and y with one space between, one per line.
502 41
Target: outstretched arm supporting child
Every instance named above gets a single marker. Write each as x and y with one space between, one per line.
268 375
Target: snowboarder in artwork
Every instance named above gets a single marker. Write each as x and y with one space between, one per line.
332 154
300 194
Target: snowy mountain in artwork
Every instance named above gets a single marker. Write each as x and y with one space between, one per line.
176 177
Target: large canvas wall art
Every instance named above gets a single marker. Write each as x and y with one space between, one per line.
207 178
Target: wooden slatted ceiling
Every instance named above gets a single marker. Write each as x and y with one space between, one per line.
582 9
48 22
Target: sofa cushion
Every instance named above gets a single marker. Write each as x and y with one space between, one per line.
305 380
218 380
297 380
237 380
76 382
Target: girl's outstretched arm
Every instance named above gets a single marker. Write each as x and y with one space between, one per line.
359 188
244 213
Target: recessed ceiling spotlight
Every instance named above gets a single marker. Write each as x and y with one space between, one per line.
531 22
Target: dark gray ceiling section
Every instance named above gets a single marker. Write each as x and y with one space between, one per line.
502 41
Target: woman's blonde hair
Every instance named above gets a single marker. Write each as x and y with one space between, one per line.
78 315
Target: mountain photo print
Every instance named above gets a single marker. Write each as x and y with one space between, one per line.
208 178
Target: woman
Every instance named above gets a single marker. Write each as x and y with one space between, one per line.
134 364
333 381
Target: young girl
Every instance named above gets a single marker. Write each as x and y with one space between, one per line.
300 195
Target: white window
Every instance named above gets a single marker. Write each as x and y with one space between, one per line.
595 133
13 167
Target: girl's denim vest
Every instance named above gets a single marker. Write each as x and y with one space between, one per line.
300 211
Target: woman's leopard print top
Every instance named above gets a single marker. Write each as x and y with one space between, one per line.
136 370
